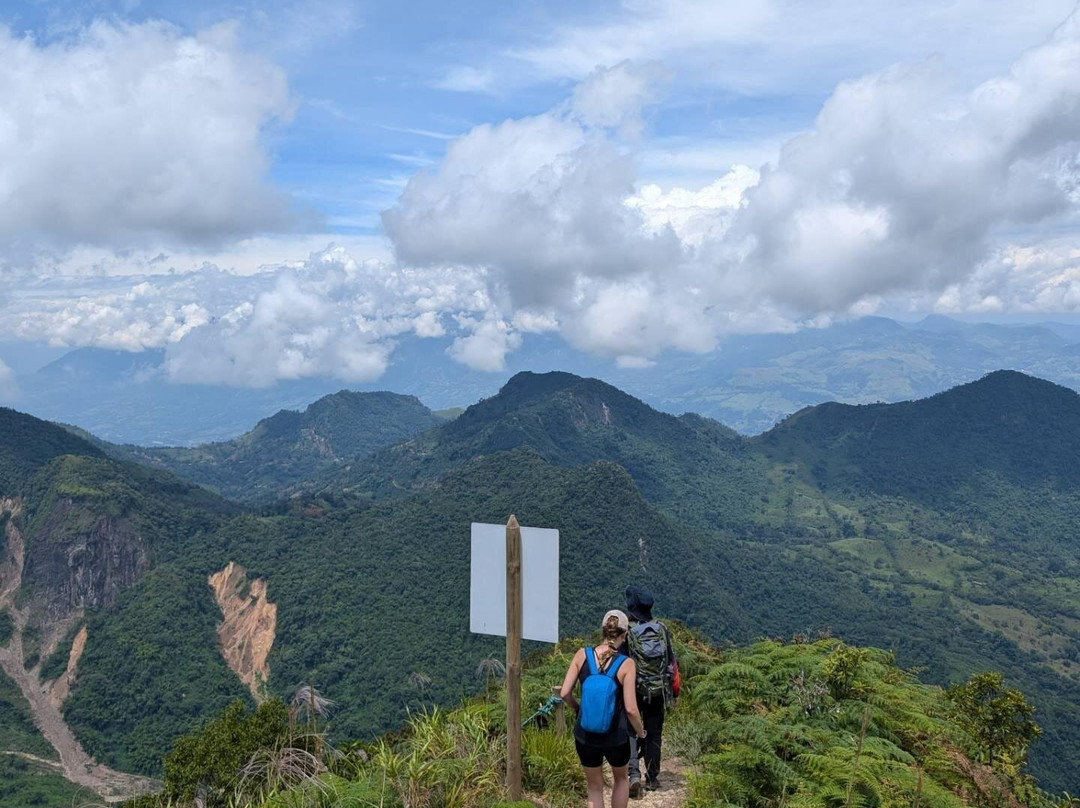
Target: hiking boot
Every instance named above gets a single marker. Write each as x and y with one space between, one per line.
636 789
653 784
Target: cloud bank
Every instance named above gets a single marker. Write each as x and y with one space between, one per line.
900 191
126 134
897 189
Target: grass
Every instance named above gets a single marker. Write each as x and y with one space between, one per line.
806 724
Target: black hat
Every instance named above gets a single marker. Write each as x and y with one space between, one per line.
639 603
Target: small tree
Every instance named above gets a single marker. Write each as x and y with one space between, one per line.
999 719
207 762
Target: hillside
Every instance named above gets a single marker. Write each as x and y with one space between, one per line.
79 532
951 519
291 446
368 583
695 468
29 443
1022 430
801 724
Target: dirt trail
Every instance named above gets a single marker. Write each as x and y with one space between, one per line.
673 789
77 765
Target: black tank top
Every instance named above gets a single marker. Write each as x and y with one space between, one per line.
620 726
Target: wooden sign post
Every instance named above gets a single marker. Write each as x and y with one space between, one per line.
527 609
513 658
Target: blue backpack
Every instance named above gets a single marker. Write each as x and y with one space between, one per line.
598 693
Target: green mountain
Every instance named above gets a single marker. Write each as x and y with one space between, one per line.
291 446
693 466
360 585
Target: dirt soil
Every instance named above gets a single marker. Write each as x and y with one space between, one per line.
249 627
673 787
76 764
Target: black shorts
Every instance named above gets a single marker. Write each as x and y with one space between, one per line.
592 757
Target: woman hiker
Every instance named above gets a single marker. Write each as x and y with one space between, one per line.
606 711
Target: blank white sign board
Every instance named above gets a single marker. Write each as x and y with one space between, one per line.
539 582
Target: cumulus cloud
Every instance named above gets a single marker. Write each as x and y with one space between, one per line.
696 215
124 134
540 198
898 189
901 190
329 316
1015 278
486 345
615 97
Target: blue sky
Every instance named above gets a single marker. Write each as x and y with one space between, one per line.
615 172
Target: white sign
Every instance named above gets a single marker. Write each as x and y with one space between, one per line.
539 582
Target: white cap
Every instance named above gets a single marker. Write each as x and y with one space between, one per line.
624 621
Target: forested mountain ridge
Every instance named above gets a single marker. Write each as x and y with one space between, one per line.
737 542
571 420
290 446
28 443
1024 429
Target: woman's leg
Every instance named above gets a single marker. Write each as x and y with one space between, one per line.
620 787
594 780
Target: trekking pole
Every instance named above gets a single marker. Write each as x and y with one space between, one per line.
560 712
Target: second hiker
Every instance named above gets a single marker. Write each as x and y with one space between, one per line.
648 644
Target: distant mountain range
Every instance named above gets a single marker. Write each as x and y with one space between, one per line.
288 447
749 383
943 529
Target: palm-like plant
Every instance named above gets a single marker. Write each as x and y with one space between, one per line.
490 669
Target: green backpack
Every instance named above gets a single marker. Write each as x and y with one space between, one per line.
648 644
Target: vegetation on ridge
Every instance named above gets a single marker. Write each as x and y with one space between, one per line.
806 724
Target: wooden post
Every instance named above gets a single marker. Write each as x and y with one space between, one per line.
513 658
560 712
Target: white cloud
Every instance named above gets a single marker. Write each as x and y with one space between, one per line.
614 97
901 191
900 188
429 324
787 46
466 79
1017 279
539 198
9 391
124 134
486 346
696 215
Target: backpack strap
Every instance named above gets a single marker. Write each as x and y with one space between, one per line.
590 658
616 663
670 644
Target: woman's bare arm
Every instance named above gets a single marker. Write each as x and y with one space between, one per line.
566 693
628 679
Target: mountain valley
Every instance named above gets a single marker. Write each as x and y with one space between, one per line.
942 529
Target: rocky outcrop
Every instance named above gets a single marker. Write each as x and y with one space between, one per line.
248 630
79 559
13 552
